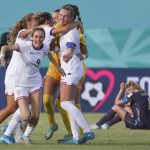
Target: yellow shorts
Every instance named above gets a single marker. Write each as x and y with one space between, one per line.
53 72
83 76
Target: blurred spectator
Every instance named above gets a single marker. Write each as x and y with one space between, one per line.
3 41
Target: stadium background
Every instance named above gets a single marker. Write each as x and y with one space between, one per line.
118 38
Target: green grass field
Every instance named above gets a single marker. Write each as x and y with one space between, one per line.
116 138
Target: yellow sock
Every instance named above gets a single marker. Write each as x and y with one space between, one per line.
64 116
49 108
78 106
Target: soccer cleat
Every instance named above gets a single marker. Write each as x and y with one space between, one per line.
70 141
87 136
26 140
7 139
94 126
1 140
104 126
19 140
65 138
4 127
51 130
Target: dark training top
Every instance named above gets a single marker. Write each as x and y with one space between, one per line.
139 102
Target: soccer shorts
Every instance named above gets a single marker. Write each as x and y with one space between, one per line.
133 122
9 84
24 92
53 72
69 80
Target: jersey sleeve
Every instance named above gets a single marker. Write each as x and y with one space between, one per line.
71 40
24 46
46 49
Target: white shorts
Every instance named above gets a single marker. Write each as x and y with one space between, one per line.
69 80
24 92
9 84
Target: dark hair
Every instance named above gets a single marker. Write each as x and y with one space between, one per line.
57 10
44 16
3 41
3 38
37 29
75 9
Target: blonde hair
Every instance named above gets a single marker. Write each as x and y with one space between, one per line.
21 24
134 85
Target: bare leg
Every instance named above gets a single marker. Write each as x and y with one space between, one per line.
9 109
120 111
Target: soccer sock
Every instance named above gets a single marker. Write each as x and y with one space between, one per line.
19 132
79 107
114 120
64 116
28 131
109 115
13 123
49 108
76 114
74 126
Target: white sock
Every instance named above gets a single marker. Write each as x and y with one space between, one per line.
28 131
13 123
74 126
76 114
19 132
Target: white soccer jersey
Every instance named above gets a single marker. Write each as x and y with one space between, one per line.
27 72
75 66
48 36
14 60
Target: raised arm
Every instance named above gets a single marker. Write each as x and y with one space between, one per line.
118 100
25 33
65 28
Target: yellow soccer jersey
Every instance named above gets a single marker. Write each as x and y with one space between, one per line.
83 76
82 38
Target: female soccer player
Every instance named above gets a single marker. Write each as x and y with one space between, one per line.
73 67
18 32
133 109
28 81
52 82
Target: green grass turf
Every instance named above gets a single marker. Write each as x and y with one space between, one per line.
115 138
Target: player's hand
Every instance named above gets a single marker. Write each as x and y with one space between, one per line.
61 71
59 53
81 56
2 61
43 80
122 85
66 58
